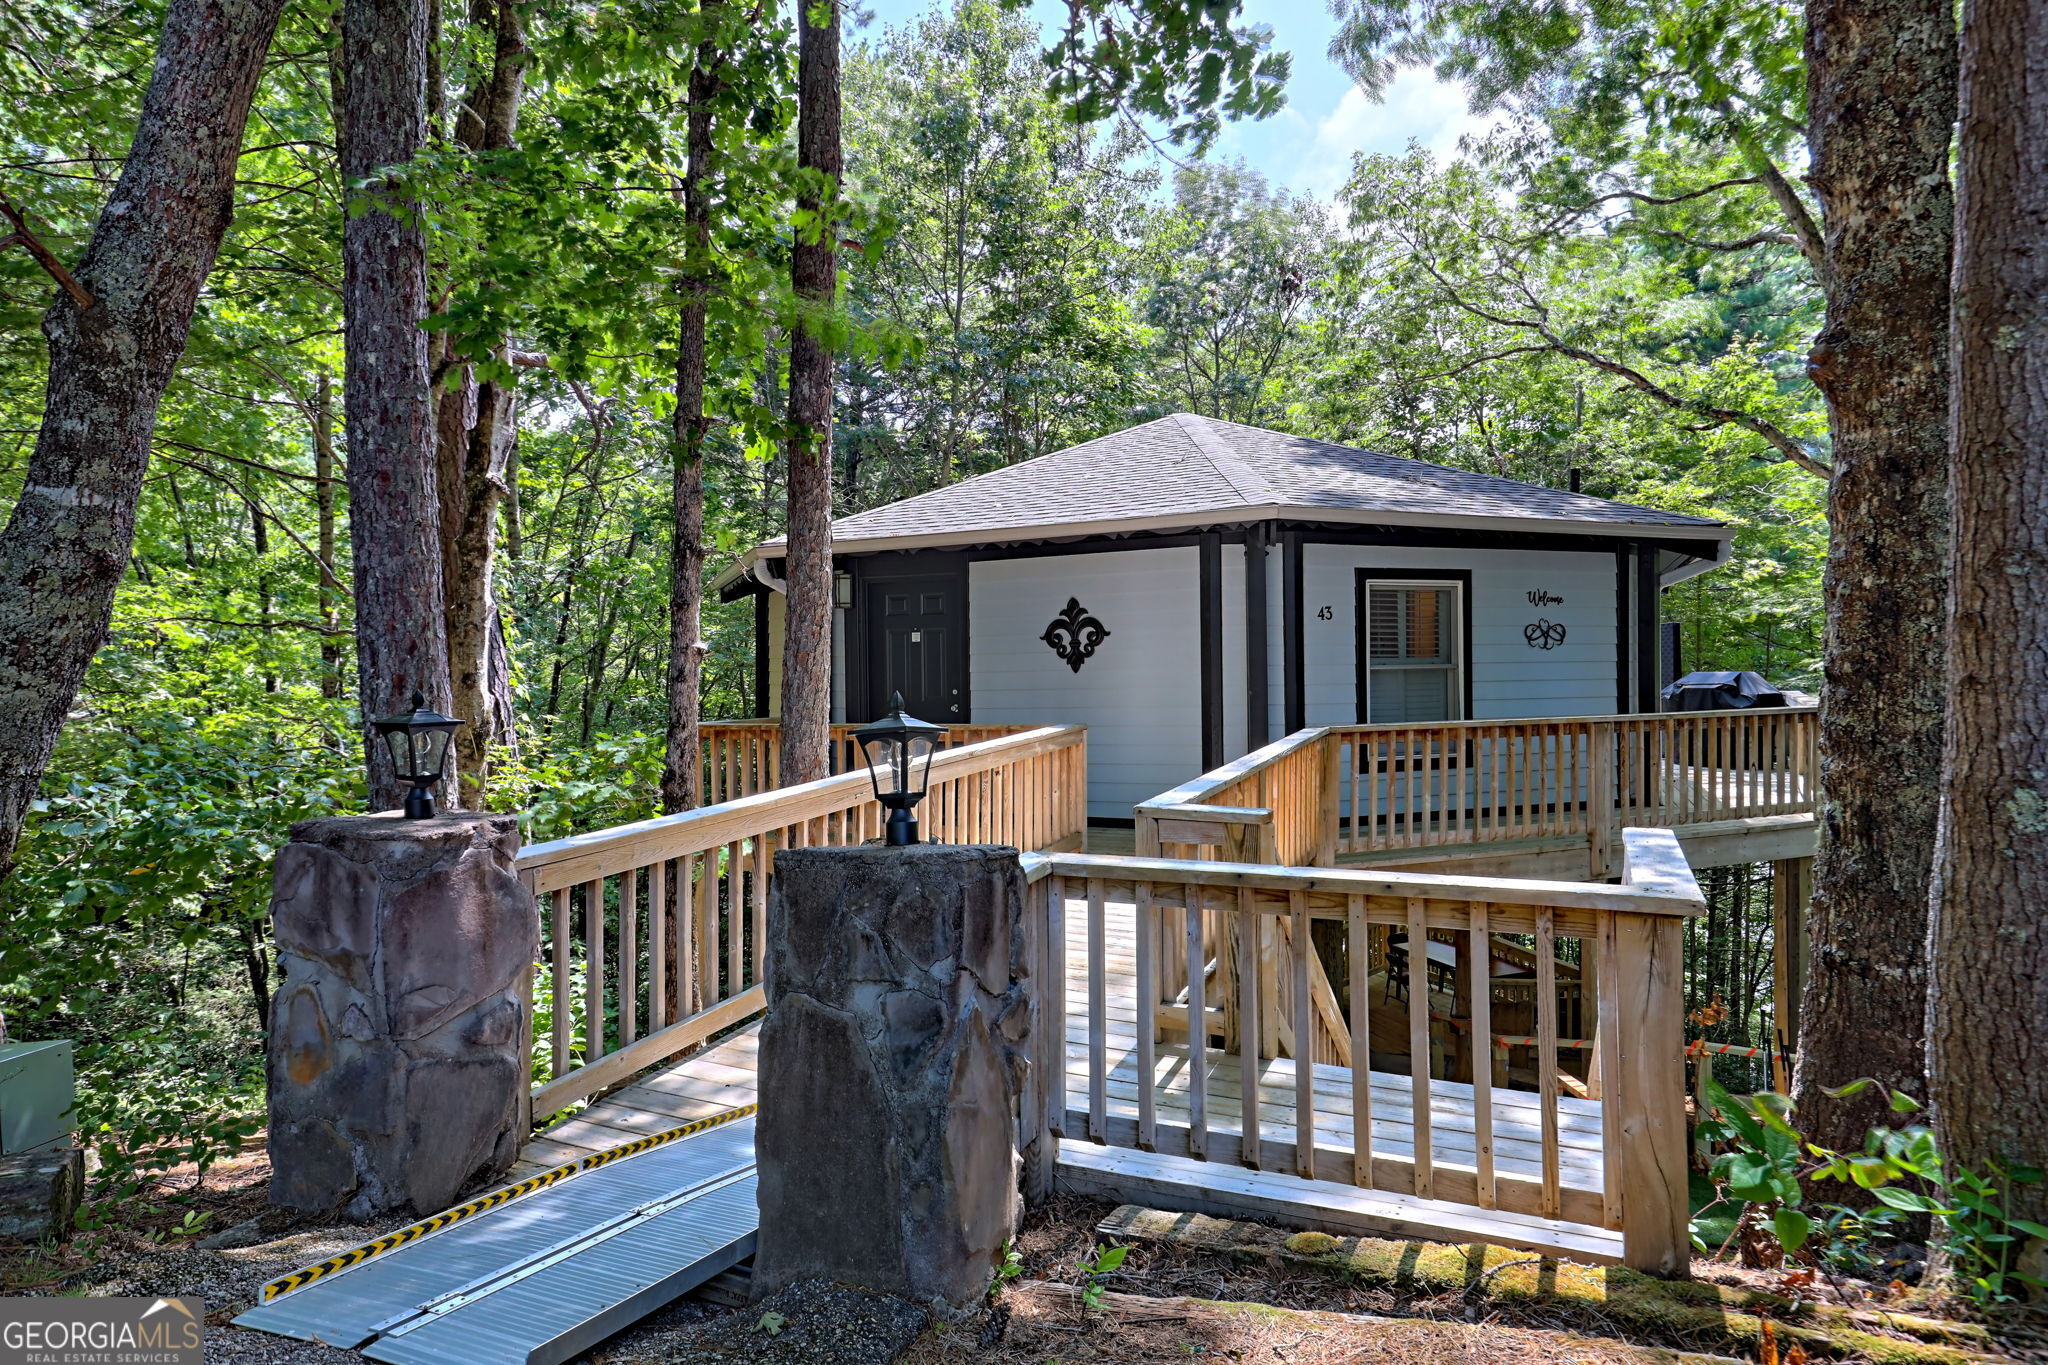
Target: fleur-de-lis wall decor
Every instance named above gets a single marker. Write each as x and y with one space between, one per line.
1074 634
1543 633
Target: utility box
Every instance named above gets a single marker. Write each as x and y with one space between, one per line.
36 1095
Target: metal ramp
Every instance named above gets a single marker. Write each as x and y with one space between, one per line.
540 1271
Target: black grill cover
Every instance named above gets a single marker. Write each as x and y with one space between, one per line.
1721 692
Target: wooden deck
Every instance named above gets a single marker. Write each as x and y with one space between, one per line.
723 1075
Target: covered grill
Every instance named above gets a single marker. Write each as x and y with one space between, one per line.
1712 691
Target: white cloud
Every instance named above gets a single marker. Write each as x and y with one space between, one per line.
1417 108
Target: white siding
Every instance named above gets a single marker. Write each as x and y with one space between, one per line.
1140 695
1510 678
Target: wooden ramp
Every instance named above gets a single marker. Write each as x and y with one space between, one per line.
723 1076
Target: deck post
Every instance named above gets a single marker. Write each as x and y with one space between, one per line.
1037 1137
1647 1091
1460 1046
1603 803
1330 801
1791 890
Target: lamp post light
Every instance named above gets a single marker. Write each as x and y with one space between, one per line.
418 740
898 751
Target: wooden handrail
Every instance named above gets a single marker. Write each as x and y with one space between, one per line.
1284 791
704 873
744 757
1209 788
578 858
1603 719
1664 882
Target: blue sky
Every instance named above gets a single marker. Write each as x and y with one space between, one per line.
1308 146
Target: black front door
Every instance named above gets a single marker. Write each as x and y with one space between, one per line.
917 645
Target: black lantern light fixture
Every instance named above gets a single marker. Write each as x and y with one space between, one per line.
898 751
418 740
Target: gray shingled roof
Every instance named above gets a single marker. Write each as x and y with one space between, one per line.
1185 470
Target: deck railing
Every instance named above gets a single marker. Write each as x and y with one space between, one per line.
744 757
1326 792
1274 805
1620 1164
652 932
1480 782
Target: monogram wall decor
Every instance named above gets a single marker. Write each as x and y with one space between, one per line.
1074 634
1544 633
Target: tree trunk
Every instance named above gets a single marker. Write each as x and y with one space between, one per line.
680 774
475 433
1881 96
394 501
1987 1020
814 273
67 541
807 640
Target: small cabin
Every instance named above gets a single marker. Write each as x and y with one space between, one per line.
1191 589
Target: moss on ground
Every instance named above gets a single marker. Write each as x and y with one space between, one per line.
1600 1298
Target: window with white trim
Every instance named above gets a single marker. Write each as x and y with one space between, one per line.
1414 674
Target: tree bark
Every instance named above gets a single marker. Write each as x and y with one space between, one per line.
394 499
1987 1020
1881 98
807 640
67 541
681 773
475 432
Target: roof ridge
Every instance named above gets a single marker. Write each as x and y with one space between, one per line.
1245 481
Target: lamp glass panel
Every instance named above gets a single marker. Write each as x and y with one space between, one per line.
918 761
885 757
433 751
400 744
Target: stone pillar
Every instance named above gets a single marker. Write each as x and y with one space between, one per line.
891 1063
398 1037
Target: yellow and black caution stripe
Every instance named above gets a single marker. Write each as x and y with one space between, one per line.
638 1145
391 1241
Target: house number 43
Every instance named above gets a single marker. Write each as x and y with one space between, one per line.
1326 613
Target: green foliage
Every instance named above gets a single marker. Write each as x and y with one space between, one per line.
1095 1272
543 1068
1768 1164
1009 230
1010 1268
1234 273
136 923
1181 64
1905 1170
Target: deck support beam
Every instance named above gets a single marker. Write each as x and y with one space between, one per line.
1258 722
1791 891
1211 626
1647 1092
